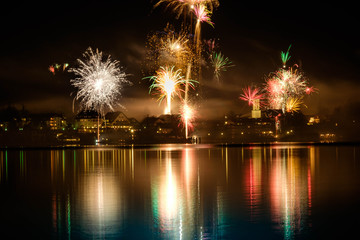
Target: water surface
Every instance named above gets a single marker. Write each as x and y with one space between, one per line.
181 192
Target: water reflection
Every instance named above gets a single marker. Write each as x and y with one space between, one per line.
3 166
253 182
174 194
171 192
290 199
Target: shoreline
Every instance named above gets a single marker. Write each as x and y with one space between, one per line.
176 145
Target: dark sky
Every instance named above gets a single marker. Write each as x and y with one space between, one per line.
325 43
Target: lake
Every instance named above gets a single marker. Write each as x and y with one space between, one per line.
277 191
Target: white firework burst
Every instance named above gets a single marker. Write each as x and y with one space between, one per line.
99 81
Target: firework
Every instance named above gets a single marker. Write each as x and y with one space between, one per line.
210 4
167 83
99 81
250 95
52 69
283 85
220 63
187 114
285 56
55 67
286 84
65 65
202 14
175 4
211 45
178 6
188 71
293 104
175 48
310 90
183 6
169 48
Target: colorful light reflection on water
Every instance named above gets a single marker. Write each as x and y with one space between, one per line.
181 192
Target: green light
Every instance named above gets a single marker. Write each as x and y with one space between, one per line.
285 56
22 162
63 164
74 159
68 216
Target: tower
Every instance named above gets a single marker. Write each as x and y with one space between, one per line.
256 112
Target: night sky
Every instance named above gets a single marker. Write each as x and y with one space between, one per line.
325 44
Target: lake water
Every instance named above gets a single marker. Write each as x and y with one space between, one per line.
181 192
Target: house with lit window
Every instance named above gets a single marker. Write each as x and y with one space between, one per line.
87 121
56 122
118 120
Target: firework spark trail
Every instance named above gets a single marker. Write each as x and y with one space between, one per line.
220 63
167 83
187 114
183 6
187 82
285 57
178 6
202 15
251 94
99 81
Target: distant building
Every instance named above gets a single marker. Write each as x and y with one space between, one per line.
236 128
165 128
4 125
56 122
118 120
313 120
13 119
87 121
